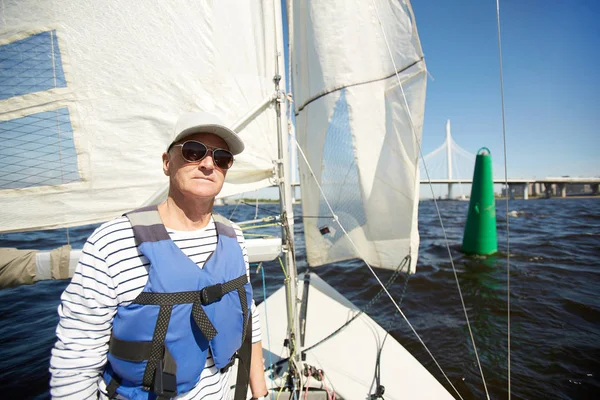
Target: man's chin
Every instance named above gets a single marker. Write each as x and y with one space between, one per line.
203 193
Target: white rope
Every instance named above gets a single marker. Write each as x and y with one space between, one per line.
506 184
435 202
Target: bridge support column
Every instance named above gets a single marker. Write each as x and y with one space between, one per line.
526 191
450 194
562 188
548 189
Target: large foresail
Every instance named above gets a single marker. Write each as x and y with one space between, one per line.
359 107
89 92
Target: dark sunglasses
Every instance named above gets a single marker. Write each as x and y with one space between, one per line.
193 151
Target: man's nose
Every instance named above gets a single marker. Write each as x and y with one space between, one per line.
208 161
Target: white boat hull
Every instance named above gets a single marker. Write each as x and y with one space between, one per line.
348 359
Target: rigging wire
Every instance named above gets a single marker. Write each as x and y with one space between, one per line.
335 217
439 216
379 389
236 207
506 186
435 202
391 280
267 211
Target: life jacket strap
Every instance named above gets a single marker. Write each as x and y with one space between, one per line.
157 351
245 356
213 293
207 295
161 369
165 383
111 388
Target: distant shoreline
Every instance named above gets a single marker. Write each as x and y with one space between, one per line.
590 196
276 201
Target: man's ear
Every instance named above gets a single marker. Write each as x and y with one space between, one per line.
166 161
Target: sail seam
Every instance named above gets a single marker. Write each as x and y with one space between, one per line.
338 88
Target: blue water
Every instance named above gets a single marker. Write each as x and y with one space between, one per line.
555 310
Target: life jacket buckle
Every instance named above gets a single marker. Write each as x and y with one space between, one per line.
210 294
229 364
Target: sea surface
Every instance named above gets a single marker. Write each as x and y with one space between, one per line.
554 290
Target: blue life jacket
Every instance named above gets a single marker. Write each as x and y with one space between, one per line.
160 341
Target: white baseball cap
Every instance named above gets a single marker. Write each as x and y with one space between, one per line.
200 121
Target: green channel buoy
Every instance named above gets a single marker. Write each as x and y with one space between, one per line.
480 231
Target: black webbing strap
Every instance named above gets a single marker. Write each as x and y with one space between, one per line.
244 303
206 296
171 299
166 368
161 367
158 344
245 356
111 388
213 293
128 350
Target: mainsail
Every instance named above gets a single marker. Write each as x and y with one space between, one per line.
89 93
359 119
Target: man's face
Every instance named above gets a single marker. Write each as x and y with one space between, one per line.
201 179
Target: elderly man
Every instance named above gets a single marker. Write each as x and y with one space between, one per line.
159 306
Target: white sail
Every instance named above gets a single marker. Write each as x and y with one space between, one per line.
89 92
356 130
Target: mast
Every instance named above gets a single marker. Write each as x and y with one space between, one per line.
285 198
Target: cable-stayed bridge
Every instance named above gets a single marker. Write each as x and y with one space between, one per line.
449 169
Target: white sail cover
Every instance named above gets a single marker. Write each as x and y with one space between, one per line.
355 129
89 92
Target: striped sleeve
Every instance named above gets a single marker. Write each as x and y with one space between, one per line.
256 333
86 312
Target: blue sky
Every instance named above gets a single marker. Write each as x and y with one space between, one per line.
551 60
551 65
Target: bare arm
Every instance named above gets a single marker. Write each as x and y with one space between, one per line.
258 385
